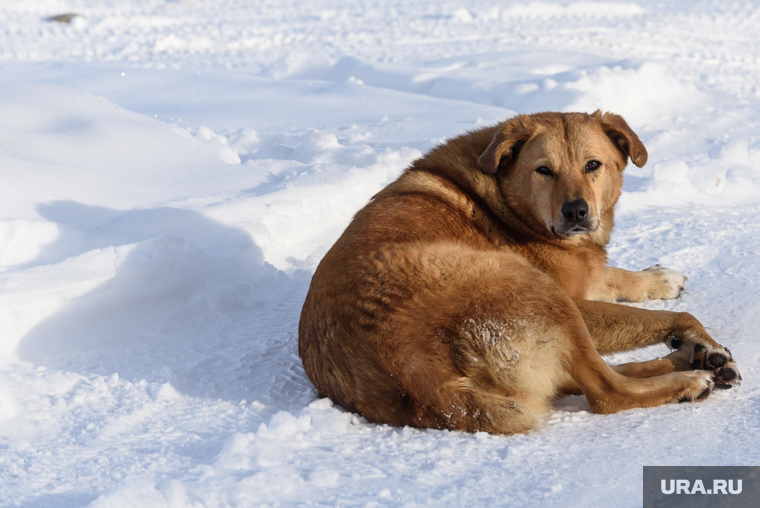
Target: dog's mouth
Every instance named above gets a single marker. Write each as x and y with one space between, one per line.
567 230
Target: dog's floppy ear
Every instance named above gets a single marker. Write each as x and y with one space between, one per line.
623 137
503 147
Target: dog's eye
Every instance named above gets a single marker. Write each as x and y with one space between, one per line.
592 166
543 170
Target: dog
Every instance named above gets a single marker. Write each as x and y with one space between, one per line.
474 290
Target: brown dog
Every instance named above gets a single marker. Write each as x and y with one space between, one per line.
460 296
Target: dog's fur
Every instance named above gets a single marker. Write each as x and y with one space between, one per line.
461 296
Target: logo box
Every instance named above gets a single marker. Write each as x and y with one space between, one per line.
701 486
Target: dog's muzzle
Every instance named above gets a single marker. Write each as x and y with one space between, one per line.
576 219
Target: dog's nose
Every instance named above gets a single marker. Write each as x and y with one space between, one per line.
575 211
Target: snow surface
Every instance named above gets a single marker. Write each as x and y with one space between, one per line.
172 172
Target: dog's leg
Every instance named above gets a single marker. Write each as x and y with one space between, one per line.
616 328
510 361
653 283
649 368
609 392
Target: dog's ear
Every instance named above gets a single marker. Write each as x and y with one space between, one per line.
508 139
623 137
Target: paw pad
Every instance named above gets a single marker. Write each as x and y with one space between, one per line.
708 357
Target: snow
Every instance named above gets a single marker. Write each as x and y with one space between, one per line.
173 171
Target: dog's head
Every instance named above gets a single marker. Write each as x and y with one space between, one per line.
563 171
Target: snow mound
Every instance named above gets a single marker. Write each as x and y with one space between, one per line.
729 174
643 92
642 95
22 241
144 494
96 152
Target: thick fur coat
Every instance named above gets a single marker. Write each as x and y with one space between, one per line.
474 289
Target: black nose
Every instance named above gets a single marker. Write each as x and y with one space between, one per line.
575 211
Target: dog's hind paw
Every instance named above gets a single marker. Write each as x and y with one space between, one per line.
699 387
689 354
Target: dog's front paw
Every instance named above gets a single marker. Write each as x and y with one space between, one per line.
691 353
664 283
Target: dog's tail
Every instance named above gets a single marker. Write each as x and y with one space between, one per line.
459 405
